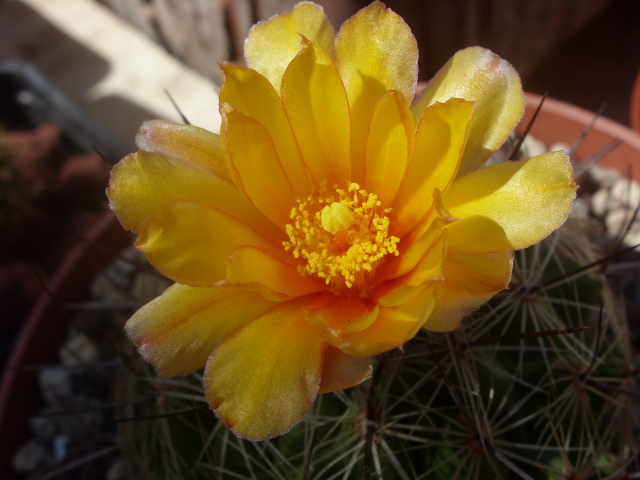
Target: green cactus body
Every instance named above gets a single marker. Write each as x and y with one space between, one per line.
531 386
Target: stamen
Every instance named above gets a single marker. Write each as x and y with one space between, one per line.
341 235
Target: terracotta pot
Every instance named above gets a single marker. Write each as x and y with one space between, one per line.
44 331
634 112
562 122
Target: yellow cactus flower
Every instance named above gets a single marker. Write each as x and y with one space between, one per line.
330 220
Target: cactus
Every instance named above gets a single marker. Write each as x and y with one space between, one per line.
536 384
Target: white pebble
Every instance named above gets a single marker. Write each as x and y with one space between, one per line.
117 471
60 447
79 349
55 385
602 202
603 176
580 209
617 220
31 457
626 191
532 147
43 428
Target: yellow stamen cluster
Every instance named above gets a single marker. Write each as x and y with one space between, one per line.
341 235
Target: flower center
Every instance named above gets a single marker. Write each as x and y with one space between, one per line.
341 235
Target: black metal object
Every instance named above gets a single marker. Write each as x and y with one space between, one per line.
28 99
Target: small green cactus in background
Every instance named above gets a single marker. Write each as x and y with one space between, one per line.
536 384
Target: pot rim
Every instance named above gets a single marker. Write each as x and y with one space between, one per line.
19 398
561 122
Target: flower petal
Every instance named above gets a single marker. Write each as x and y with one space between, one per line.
271 45
177 331
479 75
334 315
255 160
375 52
316 104
400 290
192 145
341 371
251 265
263 380
470 279
440 139
190 242
415 245
389 144
393 327
250 93
143 182
510 205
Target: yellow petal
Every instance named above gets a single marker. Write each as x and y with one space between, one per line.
341 371
479 75
190 242
192 145
177 331
271 45
334 315
143 182
510 205
263 380
400 290
393 327
470 279
389 144
250 93
252 266
440 140
414 246
375 52
256 162
316 104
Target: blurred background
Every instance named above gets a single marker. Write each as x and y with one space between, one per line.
582 51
